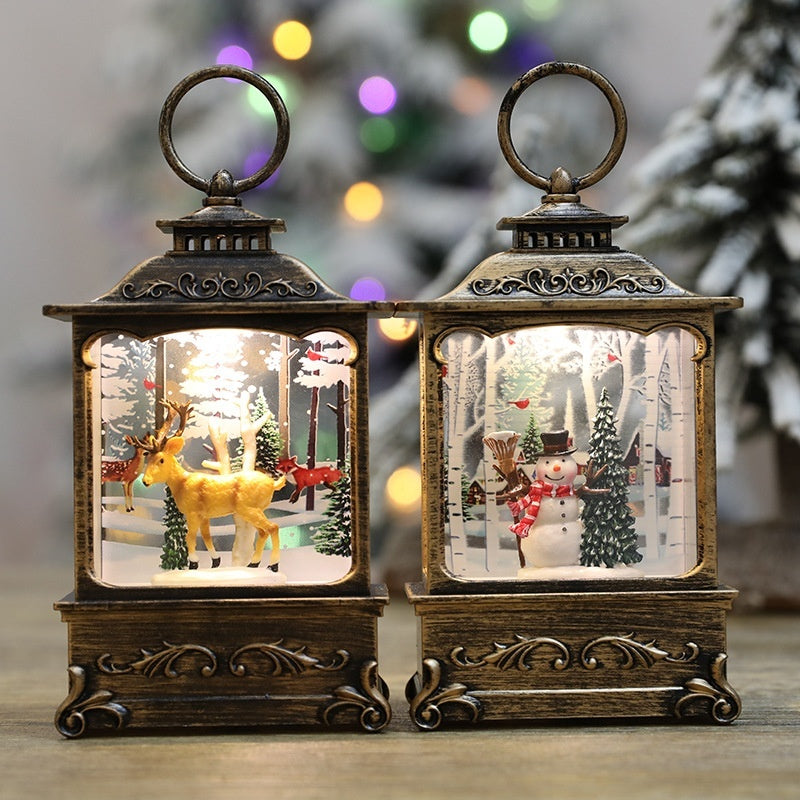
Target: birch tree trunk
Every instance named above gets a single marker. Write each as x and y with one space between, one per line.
654 361
682 523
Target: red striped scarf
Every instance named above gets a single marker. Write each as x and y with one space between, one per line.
532 502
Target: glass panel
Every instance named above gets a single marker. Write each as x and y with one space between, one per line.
263 460
581 439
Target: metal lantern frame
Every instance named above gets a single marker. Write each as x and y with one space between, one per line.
513 649
220 655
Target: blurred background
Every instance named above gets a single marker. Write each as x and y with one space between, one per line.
391 188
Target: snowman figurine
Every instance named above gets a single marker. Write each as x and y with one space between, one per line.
547 518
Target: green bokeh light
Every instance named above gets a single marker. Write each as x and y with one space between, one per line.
261 105
487 31
378 134
542 9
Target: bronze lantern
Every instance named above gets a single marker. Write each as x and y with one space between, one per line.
220 392
568 473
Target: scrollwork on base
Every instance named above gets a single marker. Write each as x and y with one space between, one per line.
426 700
515 655
636 654
284 660
71 715
371 698
725 704
154 661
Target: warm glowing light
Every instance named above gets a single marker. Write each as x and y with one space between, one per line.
397 329
487 31
367 289
261 105
471 96
236 55
404 489
378 134
542 9
291 40
363 201
377 95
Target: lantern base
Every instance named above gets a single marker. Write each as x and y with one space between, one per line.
560 655
223 663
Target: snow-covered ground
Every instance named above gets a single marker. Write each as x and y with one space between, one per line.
133 565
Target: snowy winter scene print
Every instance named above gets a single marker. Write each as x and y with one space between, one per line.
222 458
569 453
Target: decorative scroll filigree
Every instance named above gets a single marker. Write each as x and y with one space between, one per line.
426 704
636 654
154 661
549 283
211 287
284 660
373 700
514 656
71 714
723 698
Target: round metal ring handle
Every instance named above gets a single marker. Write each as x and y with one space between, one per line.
544 71
223 71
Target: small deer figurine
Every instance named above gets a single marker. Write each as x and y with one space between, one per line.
124 472
303 477
201 497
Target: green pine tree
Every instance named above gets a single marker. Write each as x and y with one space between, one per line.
174 554
608 536
268 440
333 538
531 441
269 443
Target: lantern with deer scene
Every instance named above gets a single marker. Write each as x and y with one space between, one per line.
570 385
222 572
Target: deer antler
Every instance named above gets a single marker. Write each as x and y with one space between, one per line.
154 444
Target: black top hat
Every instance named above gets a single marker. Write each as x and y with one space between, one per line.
556 443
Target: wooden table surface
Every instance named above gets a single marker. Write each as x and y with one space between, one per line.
756 757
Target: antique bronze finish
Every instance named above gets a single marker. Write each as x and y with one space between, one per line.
516 650
205 655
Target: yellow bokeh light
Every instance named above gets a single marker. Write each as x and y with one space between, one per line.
363 201
404 489
396 329
291 40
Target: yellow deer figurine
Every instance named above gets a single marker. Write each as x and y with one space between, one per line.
201 497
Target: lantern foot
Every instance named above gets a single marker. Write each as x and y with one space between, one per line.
215 562
193 565
273 567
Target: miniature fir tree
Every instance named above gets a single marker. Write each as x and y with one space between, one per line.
608 536
531 441
174 554
269 444
333 538
720 198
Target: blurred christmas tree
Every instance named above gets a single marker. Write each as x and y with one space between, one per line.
720 196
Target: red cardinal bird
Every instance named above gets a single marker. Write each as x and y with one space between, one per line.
149 385
612 358
314 355
523 403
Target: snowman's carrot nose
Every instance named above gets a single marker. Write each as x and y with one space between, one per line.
557 468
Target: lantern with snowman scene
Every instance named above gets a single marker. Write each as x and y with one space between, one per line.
221 494
569 532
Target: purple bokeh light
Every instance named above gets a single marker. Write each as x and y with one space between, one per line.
367 289
528 52
377 95
253 163
236 55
